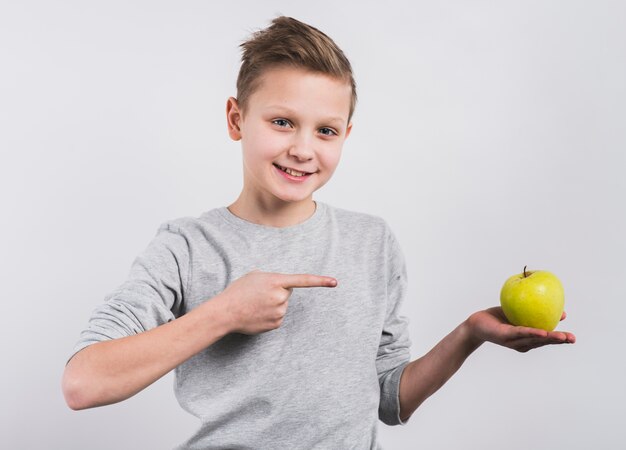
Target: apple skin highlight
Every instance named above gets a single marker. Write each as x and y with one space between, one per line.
533 299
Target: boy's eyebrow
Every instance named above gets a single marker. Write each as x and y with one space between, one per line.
292 112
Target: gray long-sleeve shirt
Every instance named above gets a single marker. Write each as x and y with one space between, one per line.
322 379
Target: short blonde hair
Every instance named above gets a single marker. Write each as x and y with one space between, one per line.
289 42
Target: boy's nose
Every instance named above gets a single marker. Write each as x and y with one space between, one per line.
301 148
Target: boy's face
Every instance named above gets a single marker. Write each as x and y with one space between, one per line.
295 119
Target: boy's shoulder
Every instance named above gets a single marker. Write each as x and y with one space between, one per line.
179 223
188 226
360 217
355 221
359 220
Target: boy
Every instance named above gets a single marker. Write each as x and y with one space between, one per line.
279 314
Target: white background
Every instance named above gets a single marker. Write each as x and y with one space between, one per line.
489 134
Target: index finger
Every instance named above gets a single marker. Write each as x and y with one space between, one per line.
303 280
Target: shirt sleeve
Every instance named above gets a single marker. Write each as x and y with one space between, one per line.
394 348
152 294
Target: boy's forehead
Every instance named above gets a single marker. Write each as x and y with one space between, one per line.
295 90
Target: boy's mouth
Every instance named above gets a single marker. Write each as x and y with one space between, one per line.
292 172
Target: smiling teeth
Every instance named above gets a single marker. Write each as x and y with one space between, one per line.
292 172
295 173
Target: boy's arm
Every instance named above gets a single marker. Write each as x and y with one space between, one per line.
114 370
424 376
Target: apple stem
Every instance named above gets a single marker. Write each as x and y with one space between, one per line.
525 276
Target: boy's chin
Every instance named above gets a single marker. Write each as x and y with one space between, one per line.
295 198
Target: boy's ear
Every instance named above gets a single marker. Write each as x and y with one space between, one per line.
348 130
233 118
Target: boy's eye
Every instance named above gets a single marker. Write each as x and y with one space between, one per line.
327 131
281 122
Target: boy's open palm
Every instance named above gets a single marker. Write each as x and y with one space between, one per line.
491 325
257 301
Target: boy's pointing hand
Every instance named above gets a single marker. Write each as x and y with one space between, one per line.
257 302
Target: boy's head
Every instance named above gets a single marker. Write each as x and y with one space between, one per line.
290 43
293 113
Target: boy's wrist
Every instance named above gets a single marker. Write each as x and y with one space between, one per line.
470 336
215 311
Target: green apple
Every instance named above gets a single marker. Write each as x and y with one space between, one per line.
533 299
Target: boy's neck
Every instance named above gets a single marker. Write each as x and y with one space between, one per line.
277 214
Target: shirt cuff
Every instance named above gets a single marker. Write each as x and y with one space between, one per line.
389 411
